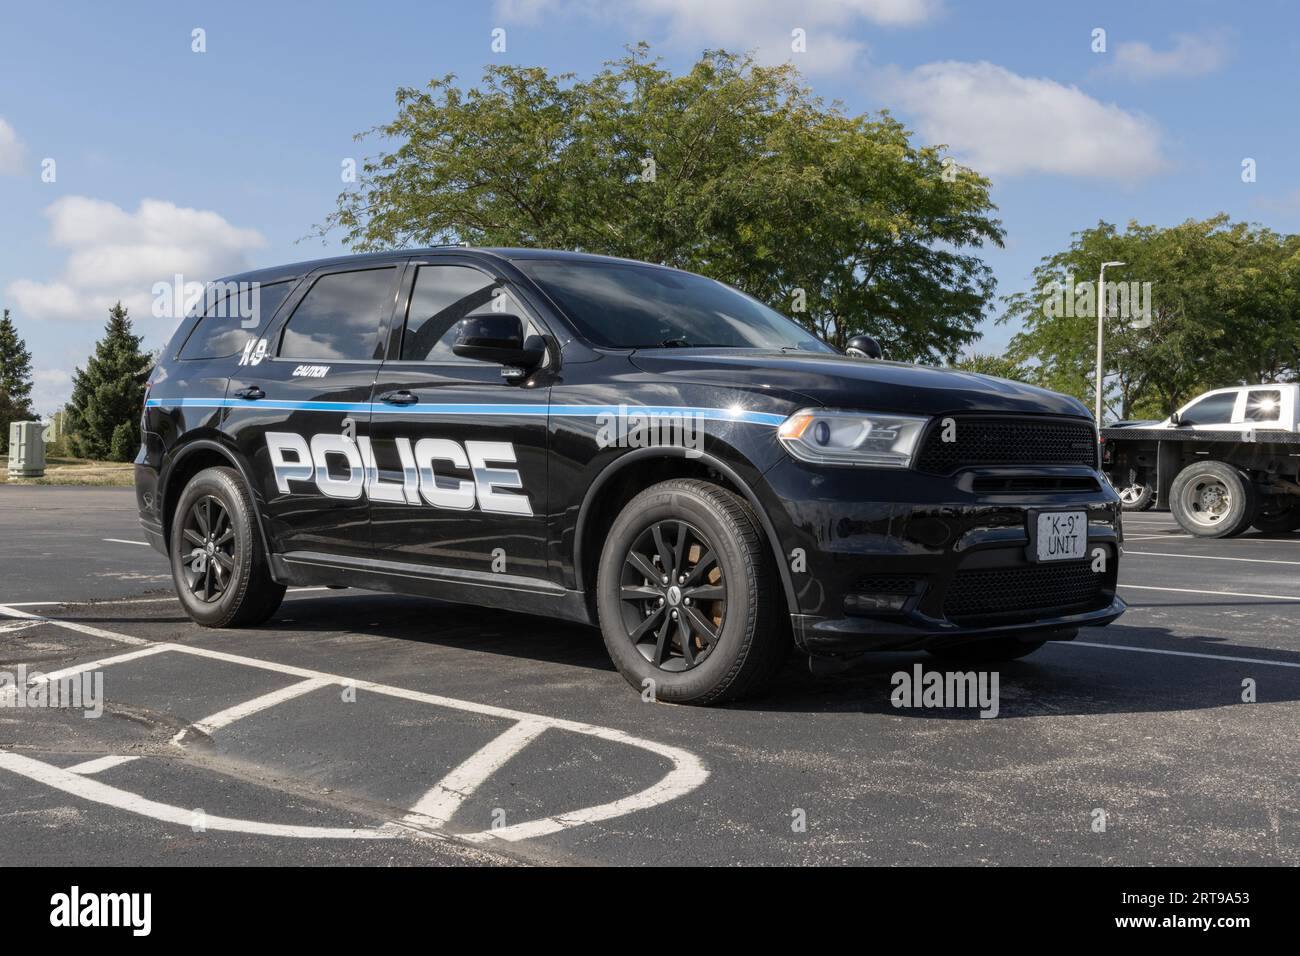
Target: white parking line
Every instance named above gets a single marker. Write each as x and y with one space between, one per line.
209 725
686 775
143 544
437 807
1210 557
1153 650
99 764
1247 594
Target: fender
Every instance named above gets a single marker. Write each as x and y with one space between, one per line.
209 444
712 461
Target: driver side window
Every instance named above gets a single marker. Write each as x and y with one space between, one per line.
441 298
1211 410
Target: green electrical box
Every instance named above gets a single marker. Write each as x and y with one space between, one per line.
26 450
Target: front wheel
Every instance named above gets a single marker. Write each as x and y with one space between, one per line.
1135 494
688 595
220 571
1211 499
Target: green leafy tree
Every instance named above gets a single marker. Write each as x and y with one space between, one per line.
999 366
1224 309
104 413
15 380
734 170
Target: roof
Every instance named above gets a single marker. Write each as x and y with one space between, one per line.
296 270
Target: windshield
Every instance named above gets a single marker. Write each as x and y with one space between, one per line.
642 307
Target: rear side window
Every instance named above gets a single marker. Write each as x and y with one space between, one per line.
222 332
443 295
1211 410
1263 405
340 317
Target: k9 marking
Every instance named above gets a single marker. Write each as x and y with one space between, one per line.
420 482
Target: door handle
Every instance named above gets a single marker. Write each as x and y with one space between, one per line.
252 393
402 397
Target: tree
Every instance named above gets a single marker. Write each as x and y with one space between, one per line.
15 380
734 170
1224 309
106 396
996 365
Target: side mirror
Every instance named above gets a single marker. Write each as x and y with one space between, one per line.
1175 418
497 337
864 346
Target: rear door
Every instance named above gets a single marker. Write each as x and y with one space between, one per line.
298 407
471 440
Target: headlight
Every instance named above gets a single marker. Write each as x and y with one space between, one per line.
828 437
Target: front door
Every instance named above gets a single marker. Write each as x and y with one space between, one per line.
460 447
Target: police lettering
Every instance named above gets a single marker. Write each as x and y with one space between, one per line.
424 467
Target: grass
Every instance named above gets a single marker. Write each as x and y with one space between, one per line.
79 471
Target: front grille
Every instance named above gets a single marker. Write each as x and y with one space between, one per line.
885 584
1007 441
1015 595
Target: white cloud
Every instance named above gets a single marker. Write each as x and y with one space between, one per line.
1191 55
118 255
763 26
51 388
1002 123
11 150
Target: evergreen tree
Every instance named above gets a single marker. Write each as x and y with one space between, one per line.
15 380
106 395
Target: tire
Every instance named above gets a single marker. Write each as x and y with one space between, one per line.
711 537
1134 493
228 584
1211 499
1278 514
986 652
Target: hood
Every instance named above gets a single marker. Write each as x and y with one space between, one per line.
837 381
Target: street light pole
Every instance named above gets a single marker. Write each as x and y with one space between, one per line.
1101 314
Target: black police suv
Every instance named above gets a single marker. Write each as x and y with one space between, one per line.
618 444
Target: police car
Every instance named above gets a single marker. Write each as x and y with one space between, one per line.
621 445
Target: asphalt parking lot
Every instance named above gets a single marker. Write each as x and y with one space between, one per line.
363 728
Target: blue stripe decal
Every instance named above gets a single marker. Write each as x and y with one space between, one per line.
427 408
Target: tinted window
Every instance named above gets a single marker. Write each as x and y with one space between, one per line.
340 317
1263 405
631 306
443 295
222 331
1212 410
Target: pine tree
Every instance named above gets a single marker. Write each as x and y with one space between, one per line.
15 380
106 395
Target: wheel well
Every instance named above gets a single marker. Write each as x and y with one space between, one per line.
611 497
179 476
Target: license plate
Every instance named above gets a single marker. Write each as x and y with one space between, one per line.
1062 535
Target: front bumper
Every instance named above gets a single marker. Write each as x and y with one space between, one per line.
898 560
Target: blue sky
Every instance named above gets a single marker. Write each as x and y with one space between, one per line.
167 160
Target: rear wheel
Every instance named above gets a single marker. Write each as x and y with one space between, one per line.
688 595
218 565
1211 499
1278 513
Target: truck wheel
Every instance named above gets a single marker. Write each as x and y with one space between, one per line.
689 597
1212 499
1277 514
1134 492
220 570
